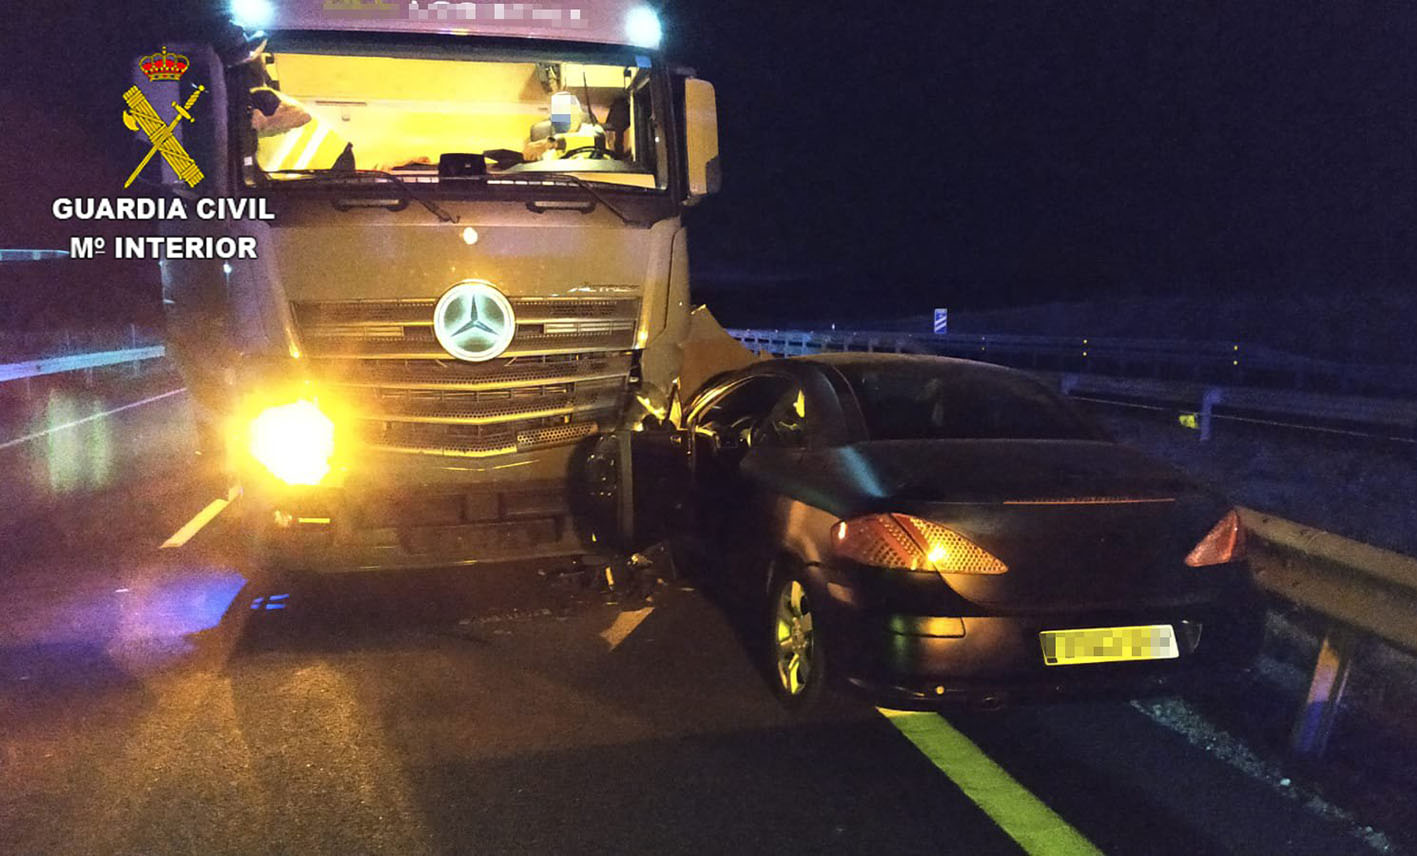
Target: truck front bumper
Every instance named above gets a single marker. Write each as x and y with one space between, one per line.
402 512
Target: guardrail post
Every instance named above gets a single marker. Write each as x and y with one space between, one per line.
1316 718
1211 398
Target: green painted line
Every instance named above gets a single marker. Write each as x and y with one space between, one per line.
1034 826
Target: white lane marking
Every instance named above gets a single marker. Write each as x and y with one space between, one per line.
28 437
623 625
202 518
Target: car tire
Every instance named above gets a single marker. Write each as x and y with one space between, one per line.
796 660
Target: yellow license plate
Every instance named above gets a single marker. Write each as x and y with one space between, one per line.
1108 644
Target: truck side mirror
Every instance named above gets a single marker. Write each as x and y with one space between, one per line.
701 138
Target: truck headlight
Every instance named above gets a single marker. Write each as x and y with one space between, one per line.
294 441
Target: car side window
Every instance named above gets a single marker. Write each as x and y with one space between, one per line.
732 420
787 423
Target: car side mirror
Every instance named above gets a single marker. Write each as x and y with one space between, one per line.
701 138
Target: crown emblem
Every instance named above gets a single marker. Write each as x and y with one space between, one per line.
164 65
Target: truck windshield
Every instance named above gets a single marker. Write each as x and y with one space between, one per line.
325 110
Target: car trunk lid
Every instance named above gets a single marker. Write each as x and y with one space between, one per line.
1080 524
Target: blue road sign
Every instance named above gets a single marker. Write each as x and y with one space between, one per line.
942 322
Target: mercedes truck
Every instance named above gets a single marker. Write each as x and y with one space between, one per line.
473 272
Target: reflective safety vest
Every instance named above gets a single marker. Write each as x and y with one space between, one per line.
311 145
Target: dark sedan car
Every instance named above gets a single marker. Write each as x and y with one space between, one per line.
937 531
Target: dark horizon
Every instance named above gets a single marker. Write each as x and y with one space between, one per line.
1075 153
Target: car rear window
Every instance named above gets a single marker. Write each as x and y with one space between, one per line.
951 403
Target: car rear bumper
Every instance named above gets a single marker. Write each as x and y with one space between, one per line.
992 660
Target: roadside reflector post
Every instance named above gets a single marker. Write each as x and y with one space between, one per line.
133 337
1320 710
1211 398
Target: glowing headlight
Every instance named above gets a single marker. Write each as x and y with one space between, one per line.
294 441
642 27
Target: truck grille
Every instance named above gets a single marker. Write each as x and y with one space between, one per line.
563 377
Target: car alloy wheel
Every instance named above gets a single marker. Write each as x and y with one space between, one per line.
796 653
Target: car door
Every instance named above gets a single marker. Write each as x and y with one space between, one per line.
752 430
664 493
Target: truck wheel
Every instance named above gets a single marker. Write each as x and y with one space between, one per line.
796 659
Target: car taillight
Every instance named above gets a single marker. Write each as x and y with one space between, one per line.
1223 543
911 544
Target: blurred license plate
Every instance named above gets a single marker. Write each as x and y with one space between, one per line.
1108 644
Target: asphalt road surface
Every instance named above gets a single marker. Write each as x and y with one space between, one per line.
153 701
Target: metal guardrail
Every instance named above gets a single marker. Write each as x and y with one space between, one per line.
1349 581
77 362
13 255
1225 363
1201 404
1361 590
18 345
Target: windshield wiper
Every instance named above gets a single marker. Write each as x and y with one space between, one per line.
338 175
441 213
575 180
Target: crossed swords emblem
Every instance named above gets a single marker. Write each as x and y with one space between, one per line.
140 115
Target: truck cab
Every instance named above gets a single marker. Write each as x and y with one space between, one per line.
475 271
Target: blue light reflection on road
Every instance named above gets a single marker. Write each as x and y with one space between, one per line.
189 602
139 625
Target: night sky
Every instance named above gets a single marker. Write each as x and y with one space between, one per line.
979 155
996 155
